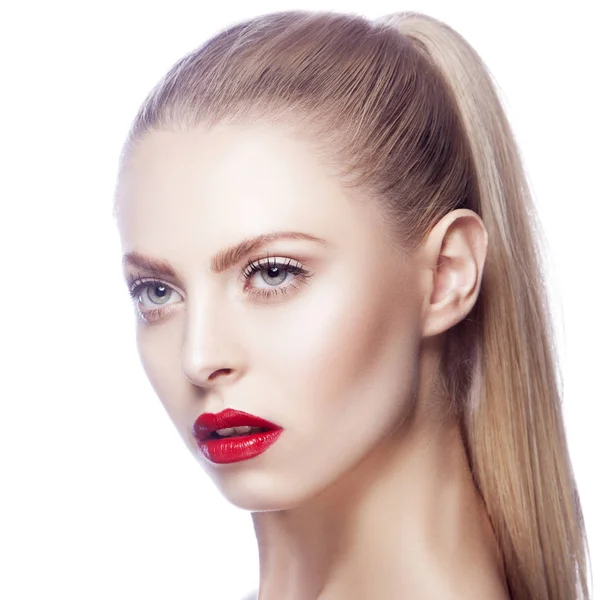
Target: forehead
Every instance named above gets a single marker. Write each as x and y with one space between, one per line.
212 187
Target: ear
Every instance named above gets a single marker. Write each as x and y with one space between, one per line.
454 254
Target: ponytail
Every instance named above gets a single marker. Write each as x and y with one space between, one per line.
512 413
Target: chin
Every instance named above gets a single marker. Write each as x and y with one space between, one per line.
261 492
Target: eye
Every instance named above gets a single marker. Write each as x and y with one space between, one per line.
267 277
268 274
152 296
274 275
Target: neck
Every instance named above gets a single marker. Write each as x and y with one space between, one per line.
407 522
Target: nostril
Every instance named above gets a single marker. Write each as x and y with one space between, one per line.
218 372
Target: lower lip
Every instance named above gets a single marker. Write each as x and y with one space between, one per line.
235 449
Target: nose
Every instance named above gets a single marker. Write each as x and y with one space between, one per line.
211 349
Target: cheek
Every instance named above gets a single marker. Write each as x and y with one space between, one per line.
340 344
348 366
160 355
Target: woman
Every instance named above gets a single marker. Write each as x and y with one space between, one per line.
331 247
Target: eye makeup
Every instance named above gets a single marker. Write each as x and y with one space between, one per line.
271 277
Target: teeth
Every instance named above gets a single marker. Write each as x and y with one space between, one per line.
243 430
227 431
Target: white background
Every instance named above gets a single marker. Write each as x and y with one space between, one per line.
99 498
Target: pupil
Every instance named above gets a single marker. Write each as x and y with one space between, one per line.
158 293
274 275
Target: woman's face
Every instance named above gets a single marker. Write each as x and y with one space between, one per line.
328 352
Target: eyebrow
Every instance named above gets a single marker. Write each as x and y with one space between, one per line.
224 259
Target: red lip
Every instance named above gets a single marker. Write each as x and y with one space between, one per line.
206 423
228 450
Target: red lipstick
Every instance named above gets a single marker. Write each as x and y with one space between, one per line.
227 449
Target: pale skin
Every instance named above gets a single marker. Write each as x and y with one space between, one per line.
367 493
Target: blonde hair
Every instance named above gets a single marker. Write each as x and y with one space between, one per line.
407 109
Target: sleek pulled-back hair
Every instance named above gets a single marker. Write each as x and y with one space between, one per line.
407 113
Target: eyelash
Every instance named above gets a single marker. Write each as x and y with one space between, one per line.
137 284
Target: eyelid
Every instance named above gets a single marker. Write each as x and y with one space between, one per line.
300 274
272 261
136 281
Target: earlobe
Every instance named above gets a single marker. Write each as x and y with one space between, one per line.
457 247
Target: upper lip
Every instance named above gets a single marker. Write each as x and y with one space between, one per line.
206 423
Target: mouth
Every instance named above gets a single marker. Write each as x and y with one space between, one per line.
232 432
233 436
229 423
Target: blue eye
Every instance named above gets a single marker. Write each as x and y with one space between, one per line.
154 290
277 275
274 271
161 292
